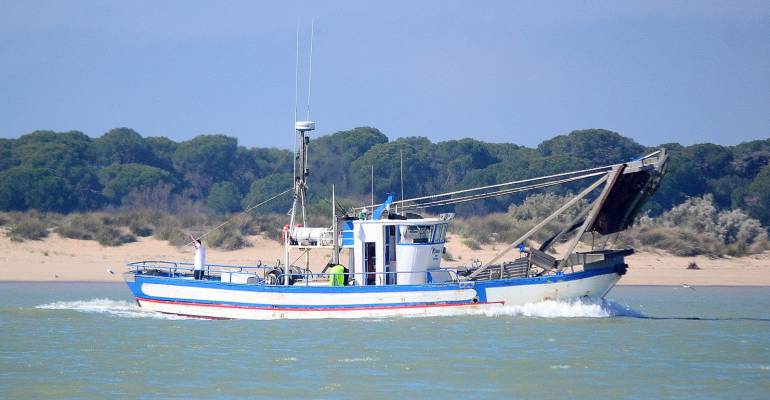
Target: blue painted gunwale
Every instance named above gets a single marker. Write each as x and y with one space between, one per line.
479 286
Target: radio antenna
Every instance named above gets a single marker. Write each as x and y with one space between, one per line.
372 188
401 152
296 92
310 68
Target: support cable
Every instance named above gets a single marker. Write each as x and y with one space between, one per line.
589 172
504 192
242 213
586 171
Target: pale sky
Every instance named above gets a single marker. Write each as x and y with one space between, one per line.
520 72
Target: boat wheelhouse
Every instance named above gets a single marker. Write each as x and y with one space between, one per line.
395 251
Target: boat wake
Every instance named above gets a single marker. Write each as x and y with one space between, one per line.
543 309
117 308
566 309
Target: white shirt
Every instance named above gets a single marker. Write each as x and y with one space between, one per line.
200 257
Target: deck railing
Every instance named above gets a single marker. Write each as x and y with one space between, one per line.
379 278
173 269
178 269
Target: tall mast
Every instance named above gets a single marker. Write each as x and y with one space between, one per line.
300 174
301 170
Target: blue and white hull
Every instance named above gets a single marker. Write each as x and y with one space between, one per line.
214 299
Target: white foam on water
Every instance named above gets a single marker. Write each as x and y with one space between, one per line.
360 359
562 366
543 309
621 310
565 309
117 308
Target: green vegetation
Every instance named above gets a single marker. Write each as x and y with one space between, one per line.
117 228
153 186
118 180
223 197
228 237
472 244
507 227
697 227
95 226
69 171
263 189
28 227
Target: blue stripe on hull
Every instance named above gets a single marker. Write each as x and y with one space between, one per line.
479 286
312 307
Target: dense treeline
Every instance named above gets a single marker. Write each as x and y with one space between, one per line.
69 171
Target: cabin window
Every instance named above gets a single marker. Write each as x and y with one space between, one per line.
440 236
421 234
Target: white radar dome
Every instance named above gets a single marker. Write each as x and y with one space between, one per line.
304 125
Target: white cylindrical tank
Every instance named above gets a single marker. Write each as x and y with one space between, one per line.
313 236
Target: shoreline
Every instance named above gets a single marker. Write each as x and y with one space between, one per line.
61 260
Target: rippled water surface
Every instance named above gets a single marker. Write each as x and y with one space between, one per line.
91 341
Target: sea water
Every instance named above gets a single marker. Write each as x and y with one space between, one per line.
60 340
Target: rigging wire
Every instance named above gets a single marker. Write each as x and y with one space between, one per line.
310 68
499 192
596 170
296 96
242 213
503 192
603 169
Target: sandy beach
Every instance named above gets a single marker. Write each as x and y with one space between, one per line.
60 259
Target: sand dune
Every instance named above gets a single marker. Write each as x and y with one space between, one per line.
60 259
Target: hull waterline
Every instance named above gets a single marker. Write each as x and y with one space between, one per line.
220 301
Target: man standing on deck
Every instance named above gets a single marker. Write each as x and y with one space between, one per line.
200 258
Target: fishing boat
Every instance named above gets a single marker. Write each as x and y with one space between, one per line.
385 259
